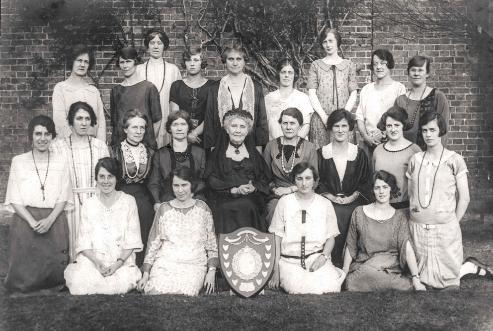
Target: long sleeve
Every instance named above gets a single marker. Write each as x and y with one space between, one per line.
101 133
86 231
364 182
154 105
59 112
211 241
402 237
156 238
262 127
114 119
155 178
212 125
14 195
352 84
278 223
352 235
132 239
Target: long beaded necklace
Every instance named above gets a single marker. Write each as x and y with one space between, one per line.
42 183
288 171
126 149
418 107
73 165
434 178
164 74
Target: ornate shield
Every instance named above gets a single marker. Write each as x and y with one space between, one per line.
247 259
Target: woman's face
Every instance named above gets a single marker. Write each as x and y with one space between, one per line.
105 181
82 123
41 138
235 62
418 75
179 129
81 65
382 191
431 133
340 130
330 44
393 129
237 130
305 182
194 65
380 69
289 126
156 47
286 76
182 189
135 130
127 66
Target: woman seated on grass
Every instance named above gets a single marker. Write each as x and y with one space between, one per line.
305 226
378 246
181 255
108 237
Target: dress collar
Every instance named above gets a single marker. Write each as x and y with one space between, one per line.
327 152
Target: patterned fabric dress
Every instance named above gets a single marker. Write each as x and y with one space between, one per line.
180 243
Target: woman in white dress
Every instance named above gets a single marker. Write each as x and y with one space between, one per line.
161 73
81 153
76 88
108 238
305 226
181 255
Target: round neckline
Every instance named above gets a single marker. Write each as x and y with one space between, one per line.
172 204
120 194
377 220
397 151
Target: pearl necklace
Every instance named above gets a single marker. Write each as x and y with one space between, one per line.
288 171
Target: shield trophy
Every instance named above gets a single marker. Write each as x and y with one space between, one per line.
247 259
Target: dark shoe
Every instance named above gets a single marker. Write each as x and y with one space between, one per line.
481 266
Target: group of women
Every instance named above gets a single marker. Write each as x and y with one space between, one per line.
187 164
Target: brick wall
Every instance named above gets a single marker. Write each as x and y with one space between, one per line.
460 68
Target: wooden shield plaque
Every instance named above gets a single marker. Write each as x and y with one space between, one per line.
247 259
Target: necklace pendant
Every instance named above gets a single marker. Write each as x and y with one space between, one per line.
237 151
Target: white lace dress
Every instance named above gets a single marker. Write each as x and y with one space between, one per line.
180 243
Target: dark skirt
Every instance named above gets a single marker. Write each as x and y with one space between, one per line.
145 207
37 261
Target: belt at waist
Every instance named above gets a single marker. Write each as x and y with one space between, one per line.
299 257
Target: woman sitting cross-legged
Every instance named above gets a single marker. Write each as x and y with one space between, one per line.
181 255
109 236
378 244
305 226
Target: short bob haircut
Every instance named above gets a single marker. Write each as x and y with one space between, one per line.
43 121
293 112
152 33
80 105
235 48
339 115
325 32
427 117
128 53
186 174
384 55
129 114
78 50
242 114
389 179
301 167
111 165
187 55
396 113
288 62
173 116
419 61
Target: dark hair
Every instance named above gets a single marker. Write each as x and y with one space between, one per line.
235 48
129 114
325 32
78 50
111 165
128 53
152 33
418 61
429 116
302 166
293 112
384 55
186 174
397 113
288 62
173 116
187 55
388 178
44 121
80 105
339 115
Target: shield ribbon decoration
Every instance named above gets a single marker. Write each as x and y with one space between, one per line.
247 259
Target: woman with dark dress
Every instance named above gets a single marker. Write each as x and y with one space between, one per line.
135 158
134 93
235 91
180 153
190 93
344 175
238 178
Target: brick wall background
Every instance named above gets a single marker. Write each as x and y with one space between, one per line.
461 68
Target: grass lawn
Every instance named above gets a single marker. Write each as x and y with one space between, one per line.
471 308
